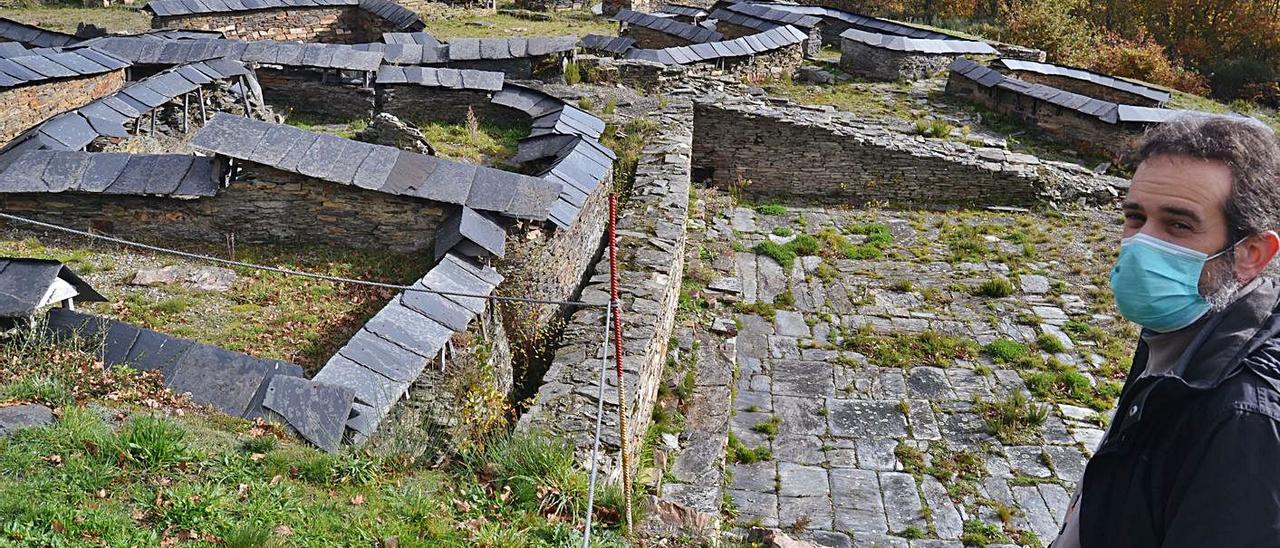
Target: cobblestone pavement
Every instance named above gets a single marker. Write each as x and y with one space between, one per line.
876 393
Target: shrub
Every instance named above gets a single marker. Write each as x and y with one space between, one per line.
996 287
572 74
1144 59
933 128
1005 350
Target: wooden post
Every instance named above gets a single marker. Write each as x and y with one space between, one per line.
153 121
244 89
204 116
186 104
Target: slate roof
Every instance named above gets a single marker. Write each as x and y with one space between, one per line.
685 11
472 49
236 384
400 16
569 136
12 49
149 51
24 284
763 12
54 171
44 65
392 349
471 233
768 40
918 45
441 77
667 25
863 22
1128 86
419 38
615 45
107 116
33 36
1106 111
376 167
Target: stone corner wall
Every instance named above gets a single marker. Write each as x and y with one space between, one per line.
24 107
893 66
648 38
647 76
779 63
826 156
651 234
1082 131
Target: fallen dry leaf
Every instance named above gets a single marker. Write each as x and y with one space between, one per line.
357 500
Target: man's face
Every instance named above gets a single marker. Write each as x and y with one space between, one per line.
1180 200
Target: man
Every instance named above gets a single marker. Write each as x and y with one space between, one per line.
1192 456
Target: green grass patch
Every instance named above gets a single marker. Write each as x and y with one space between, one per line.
1005 350
996 287
910 349
486 144
1015 420
738 452
1049 343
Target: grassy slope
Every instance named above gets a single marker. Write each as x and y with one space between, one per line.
127 464
264 314
65 19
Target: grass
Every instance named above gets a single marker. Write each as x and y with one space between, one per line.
1005 350
65 18
1050 343
996 287
828 243
346 129
938 129
488 144
910 349
264 314
1015 420
878 100
112 473
738 452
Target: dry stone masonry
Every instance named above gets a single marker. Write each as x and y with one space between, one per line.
818 154
651 234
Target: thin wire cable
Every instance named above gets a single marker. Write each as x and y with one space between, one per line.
595 449
290 272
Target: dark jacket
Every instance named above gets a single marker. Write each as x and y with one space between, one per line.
1192 457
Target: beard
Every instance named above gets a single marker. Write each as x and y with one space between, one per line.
1221 288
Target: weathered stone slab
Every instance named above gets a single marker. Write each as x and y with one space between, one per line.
19 417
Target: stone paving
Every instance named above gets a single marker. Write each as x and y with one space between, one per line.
866 454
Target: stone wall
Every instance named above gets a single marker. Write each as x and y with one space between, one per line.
548 68
811 47
421 104
334 25
648 38
647 76
889 65
611 7
549 264
1082 87
1082 131
778 63
312 92
827 156
651 234
262 205
23 107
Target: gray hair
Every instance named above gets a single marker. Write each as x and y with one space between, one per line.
1250 149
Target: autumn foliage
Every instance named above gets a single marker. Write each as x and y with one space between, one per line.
1230 48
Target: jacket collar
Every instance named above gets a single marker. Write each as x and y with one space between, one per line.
1227 338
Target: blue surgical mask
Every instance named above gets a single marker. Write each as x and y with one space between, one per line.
1157 283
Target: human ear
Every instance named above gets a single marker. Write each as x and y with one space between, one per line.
1254 254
